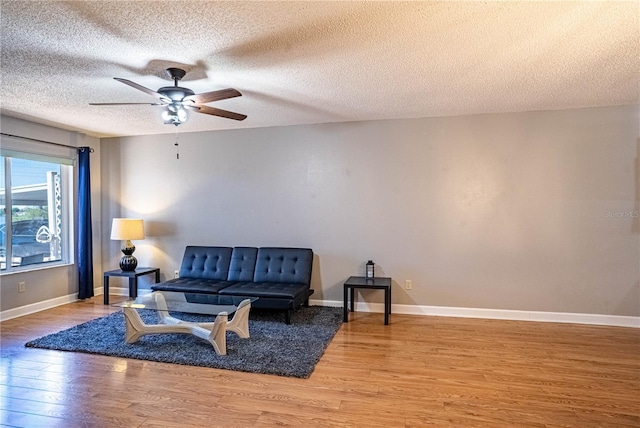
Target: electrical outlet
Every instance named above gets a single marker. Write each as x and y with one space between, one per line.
22 287
176 274
407 284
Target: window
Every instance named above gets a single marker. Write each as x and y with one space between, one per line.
34 210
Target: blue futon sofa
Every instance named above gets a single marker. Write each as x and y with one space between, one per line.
279 277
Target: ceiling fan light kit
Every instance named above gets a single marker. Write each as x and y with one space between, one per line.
174 115
177 99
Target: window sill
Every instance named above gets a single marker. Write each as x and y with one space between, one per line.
33 268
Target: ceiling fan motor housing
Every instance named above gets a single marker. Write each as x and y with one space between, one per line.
175 93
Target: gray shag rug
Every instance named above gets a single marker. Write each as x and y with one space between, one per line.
273 348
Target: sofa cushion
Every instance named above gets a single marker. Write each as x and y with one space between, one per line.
194 285
243 264
206 262
284 265
214 299
267 290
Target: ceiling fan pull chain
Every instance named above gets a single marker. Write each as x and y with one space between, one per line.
177 147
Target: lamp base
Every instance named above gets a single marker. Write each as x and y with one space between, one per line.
128 263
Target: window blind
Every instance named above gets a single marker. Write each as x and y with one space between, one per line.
16 147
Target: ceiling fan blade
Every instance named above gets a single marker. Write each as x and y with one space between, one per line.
125 104
217 112
138 87
207 97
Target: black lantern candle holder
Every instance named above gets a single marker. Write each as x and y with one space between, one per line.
369 271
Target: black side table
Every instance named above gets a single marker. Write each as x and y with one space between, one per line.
133 280
362 282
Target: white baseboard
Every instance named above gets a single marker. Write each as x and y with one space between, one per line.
37 307
52 303
116 291
441 311
502 314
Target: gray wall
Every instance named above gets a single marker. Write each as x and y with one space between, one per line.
525 211
60 281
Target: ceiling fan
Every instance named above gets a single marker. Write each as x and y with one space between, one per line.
178 100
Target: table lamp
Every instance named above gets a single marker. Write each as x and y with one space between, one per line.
126 229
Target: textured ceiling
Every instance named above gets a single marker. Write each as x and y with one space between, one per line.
313 62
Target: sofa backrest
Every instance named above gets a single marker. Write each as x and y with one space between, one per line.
289 265
243 264
206 262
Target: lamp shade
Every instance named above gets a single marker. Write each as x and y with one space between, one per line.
127 229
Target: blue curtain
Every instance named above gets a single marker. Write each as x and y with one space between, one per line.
84 241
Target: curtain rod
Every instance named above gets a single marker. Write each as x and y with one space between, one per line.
42 141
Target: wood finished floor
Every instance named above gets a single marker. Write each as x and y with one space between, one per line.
418 371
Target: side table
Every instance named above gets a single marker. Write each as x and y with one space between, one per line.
373 283
133 280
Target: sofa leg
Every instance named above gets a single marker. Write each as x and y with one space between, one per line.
306 303
287 316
